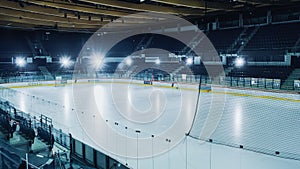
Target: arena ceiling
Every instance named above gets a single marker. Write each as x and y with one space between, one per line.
92 14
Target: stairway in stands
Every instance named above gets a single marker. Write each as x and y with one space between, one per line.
177 70
46 73
187 50
296 47
238 41
36 47
144 43
228 70
247 38
288 84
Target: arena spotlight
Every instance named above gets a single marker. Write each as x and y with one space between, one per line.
157 61
65 62
20 61
239 62
189 61
97 61
128 61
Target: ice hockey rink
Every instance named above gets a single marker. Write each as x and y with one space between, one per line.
145 126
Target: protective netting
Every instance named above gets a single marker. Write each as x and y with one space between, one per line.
258 121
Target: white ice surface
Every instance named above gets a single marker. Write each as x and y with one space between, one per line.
58 103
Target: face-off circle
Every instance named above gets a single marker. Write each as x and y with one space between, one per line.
126 117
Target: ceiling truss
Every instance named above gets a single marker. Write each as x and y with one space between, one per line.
93 14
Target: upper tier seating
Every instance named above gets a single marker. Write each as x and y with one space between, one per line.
223 39
274 37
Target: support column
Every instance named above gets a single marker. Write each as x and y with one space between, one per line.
269 17
1 160
241 21
217 23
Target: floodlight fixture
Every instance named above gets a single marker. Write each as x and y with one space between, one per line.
157 61
20 61
239 62
97 61
189 61
128 61
65 62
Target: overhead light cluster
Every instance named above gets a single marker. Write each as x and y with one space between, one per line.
65 62
189 61
128 61
239 62
20 61
157 61
97 61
